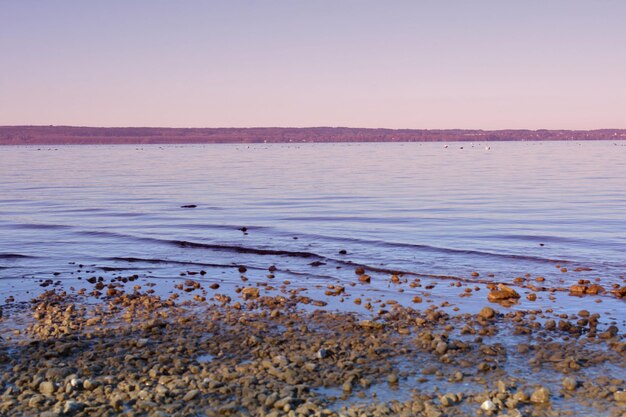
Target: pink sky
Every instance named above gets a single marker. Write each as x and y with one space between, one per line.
396 64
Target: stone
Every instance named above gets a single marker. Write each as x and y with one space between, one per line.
365 278
487 313
569 383
488 405
448 400
503 293
89 385
540 396
191 395
441 348
322 354
46 388
249 293
619 396
71 407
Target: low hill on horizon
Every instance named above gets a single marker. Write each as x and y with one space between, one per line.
74 135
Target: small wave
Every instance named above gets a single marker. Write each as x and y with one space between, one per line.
304 254
81 210
244 249
343 219
537 238
173 262
40 226
439 249
15 256
206 226
102 233
212 246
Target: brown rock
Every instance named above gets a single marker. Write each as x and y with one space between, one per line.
487 313
46 388
503 293
250 293
540 396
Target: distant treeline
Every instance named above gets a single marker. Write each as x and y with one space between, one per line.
59 135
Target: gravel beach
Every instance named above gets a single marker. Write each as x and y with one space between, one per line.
118 348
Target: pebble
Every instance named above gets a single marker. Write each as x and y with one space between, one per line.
488 405
46 388
540 396
569 383
487 313
191 395
321 354
392 378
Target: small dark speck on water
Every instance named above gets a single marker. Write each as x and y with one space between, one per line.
189 206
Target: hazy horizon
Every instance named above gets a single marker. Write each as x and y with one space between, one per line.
486 65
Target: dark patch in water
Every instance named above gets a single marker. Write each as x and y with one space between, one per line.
243 249
15 256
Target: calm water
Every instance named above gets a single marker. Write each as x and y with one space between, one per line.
513 209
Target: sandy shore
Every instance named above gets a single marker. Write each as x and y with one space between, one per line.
121 349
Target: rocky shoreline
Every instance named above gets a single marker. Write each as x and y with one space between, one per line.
133 353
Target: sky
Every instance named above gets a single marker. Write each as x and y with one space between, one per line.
473 64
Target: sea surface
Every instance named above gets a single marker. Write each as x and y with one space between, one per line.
315 211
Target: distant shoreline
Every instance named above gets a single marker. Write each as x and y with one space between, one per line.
72 135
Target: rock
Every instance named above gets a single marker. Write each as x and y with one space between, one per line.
76 383
369 324
580 289
89 385
116 401
191 395
487 313
322 354
271 399
488 405
347 387
540 396
250 293
441 348
569 383
71 407
503 293
550 324
392 378
620 292
619 396
365 278
284 403
448 400
501 387
46 388
431 411
36 400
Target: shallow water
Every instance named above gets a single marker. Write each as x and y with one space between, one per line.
505 208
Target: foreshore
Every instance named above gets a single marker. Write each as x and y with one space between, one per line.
118 348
